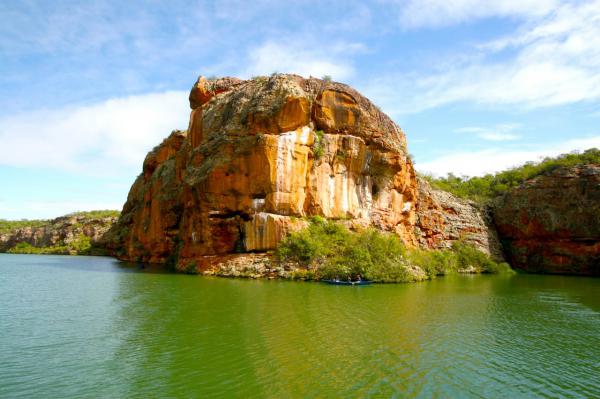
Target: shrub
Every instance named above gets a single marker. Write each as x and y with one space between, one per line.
318 148
329 250
191 268
500 268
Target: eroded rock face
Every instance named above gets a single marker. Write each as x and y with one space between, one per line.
63 231
444 219
258 158
551 224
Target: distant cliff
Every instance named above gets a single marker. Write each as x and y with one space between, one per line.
74 234
262 155
551 223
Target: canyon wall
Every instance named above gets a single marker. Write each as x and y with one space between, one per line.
551 224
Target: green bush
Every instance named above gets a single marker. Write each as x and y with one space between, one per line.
328 250
434 263
318 148
82 245
500 268
26 248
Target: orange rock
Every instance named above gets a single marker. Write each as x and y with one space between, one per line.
253 166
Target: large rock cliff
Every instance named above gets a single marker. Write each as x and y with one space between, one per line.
551 224
262 155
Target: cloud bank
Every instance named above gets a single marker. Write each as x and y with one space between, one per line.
97 139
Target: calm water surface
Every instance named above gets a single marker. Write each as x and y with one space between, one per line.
94 327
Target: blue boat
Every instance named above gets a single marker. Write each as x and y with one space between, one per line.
342 282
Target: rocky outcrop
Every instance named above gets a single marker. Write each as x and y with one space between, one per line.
551 224
443 219
258 158
68 234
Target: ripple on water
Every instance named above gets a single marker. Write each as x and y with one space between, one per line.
105 331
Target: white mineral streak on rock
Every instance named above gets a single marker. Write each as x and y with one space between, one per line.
286 144
406 207
258 204
331 194
365 197
345 199
304 135
256 232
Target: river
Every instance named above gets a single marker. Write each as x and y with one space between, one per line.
96 327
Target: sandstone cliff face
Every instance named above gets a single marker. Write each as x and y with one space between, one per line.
62 231
258 158
551 224
443 219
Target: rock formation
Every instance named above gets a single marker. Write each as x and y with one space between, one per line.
260 157
551 224
65 234
443 219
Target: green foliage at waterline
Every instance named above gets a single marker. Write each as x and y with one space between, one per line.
327 250
484 188
82 245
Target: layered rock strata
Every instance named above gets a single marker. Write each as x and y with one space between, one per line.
551 224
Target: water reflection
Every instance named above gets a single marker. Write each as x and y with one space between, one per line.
121 332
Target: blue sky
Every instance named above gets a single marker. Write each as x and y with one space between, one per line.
87 88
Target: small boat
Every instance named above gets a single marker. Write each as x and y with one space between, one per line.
342 282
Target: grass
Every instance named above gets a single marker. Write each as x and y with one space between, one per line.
484 188
327 250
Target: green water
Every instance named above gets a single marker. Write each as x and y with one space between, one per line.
93 327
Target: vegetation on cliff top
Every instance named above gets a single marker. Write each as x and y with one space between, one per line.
328 250
484 188
6 226
98 214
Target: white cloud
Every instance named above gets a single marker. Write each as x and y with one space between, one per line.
550 60
477 163
438 13
502 132
51 209
492 136
101 138
303 59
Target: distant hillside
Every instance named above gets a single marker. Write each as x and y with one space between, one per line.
73 234
484 188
